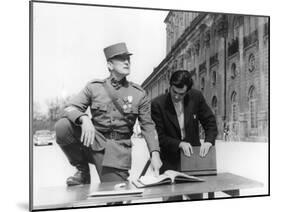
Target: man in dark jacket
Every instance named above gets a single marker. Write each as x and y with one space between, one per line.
177 115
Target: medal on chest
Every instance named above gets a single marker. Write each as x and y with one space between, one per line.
127 103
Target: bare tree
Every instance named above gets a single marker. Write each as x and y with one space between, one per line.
47 121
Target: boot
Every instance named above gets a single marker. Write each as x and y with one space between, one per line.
75 156
82 176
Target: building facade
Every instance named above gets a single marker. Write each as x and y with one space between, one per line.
228 56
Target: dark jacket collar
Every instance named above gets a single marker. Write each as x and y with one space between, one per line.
117 84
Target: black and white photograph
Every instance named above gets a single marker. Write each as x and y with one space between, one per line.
136 105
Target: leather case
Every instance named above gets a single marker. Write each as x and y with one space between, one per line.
198 166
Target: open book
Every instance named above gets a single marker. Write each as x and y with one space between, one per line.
168 177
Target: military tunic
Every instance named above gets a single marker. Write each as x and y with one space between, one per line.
107 118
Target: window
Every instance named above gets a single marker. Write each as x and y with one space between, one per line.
202 84
194 77
233 97
233 71
215 105
253 107
214 78
234 106
181 61
159 87
236 27
253 24
154 90
181 20
246 25
175 65
234 112
169 74
162 87
251 62
149 92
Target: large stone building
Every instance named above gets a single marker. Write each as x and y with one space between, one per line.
229 58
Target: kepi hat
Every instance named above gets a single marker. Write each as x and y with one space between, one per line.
116 49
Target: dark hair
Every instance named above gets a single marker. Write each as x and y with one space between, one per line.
180 78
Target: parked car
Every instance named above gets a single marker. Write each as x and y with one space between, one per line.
53 133
43 138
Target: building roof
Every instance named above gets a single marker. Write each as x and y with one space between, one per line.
179 41
168 16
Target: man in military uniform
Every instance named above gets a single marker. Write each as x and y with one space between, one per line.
104 139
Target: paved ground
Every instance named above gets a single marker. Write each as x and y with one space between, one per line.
247 159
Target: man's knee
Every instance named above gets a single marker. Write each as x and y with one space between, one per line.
109 174
63 129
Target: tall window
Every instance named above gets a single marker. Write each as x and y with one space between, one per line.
162 85
215 105
202 84
236 27
154 90
246 25
253 24
234 107
214 78
159 86
250 24
251 62
175 65
149 92
181 62
253 107
194 77
233 71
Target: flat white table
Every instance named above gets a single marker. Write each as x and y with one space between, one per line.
77 196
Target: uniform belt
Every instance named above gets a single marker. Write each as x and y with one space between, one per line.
116 135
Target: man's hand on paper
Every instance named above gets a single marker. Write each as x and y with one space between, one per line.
156 163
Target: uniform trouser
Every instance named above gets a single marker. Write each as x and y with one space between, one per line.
68 134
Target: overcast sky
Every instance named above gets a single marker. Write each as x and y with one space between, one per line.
69 42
